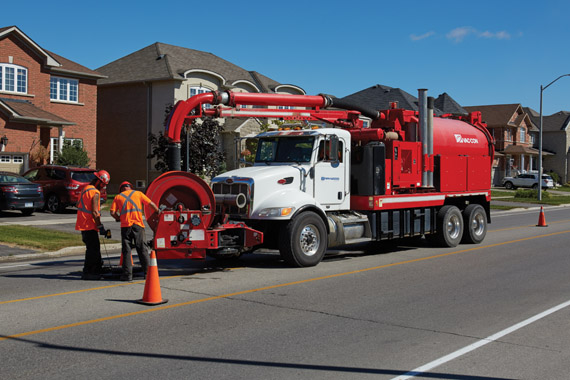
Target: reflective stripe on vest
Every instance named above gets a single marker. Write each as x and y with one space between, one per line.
82 206
130 201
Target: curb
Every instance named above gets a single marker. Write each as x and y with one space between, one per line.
68 251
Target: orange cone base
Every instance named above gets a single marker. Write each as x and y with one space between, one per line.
142 302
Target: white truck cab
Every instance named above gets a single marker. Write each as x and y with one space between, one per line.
292 169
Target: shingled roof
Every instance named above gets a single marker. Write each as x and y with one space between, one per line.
23 111
161 61
499 115
556 122
379 97
56 63
447 104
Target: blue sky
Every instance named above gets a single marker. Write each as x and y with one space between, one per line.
483 52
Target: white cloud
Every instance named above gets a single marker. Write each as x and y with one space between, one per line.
458 34
414 37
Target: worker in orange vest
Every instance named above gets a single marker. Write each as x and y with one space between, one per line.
127 208
89 223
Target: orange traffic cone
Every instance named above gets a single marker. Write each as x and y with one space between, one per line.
121 260
151 295
541 219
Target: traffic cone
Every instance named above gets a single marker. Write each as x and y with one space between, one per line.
121 260
541 219
151 295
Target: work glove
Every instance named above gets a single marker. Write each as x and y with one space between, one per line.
102 230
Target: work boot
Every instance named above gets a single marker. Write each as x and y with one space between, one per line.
126 277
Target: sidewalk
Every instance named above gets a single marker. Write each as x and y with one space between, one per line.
10 253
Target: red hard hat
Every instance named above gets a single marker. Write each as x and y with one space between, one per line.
103 176
126 183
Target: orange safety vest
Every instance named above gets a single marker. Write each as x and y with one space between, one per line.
85 221
129 205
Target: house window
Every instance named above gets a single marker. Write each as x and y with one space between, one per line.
64 89
13 78
18 159
54 146
508 135
522 135
200 90
5 159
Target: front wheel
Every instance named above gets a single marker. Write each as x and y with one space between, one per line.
449 226
475 224
303 242
509 186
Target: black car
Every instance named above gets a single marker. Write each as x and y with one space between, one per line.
17 193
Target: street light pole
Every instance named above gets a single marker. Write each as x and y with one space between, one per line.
542 88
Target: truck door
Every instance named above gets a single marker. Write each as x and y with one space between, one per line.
329 175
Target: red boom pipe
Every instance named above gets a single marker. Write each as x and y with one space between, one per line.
246 98
184 107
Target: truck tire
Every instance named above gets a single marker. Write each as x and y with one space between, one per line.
303 242
449 226
474 224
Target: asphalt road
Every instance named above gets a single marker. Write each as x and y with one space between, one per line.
498 310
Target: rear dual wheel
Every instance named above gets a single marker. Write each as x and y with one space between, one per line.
449 226
454 226
475 224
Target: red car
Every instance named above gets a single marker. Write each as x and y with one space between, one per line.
62 184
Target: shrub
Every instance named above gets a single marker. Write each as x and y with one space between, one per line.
530 194
72 153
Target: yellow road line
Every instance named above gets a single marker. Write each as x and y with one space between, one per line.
76 291
213 298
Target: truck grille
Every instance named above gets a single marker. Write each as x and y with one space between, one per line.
225 187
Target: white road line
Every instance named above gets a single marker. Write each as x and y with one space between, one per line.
481 343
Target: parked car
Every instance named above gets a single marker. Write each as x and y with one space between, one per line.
17 193
528 180
62 185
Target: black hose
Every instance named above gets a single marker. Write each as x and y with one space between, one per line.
348 105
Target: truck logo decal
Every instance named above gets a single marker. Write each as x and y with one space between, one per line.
330 179
465 140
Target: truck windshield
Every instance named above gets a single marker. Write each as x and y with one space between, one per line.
285 149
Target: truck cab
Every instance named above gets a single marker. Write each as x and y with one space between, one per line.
293 170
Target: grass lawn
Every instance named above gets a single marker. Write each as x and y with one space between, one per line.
39 238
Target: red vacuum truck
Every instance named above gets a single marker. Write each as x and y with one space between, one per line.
406 174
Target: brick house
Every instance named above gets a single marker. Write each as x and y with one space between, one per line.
133 98
44 99
515 137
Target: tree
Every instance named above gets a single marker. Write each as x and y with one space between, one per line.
72 153
206 159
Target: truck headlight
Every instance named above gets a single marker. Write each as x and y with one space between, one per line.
276 211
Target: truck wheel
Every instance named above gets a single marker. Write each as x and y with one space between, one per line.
303 242
509 186
449 226
475 224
